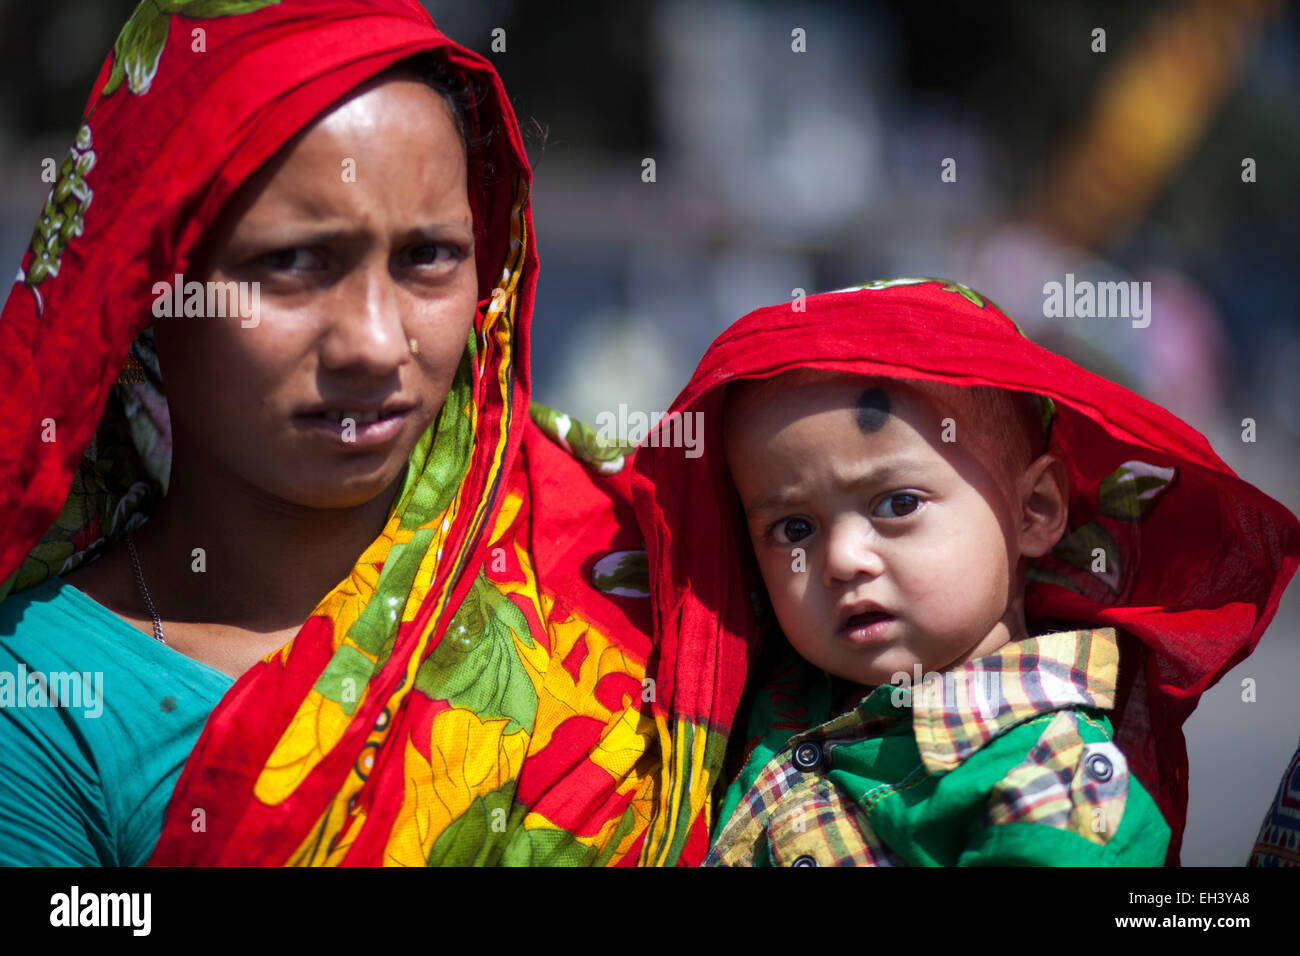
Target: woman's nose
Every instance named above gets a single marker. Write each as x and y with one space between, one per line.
367 325
852 549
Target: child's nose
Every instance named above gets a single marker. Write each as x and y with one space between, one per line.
852 549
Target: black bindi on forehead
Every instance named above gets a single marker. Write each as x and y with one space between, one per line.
873 410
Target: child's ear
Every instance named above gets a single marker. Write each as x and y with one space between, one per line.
1044 505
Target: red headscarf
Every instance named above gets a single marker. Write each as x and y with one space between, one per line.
500 536
1198 558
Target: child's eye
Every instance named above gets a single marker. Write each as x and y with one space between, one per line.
792 530
897 506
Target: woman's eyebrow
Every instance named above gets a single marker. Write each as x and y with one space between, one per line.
297 231
440 231
286 235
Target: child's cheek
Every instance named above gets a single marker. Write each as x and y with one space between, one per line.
774 568
786 577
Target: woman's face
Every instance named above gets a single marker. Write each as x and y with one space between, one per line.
360 236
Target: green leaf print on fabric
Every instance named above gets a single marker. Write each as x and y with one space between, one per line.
472 838
1077 550
580 440
63 216
206 9
967 293
623 573
138 49
431 486
345 678
889 283
139 46
1126 495
1130 492
476 666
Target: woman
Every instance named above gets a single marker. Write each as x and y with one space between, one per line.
316 551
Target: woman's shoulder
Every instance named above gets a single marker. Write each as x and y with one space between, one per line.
79 626
56 637
96 721
56 623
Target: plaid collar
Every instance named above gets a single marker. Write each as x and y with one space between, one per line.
956 713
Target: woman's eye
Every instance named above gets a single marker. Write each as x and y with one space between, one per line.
289 260
897 506
434 254
792 530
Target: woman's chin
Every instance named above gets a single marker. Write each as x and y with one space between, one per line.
345 485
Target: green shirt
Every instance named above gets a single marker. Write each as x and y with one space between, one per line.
1006 760
87 782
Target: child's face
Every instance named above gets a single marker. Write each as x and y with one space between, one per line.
909 543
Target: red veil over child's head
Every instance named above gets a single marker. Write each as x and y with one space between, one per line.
1197 559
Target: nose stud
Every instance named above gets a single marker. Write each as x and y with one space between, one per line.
414 346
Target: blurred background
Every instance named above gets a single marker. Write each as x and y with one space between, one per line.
812 160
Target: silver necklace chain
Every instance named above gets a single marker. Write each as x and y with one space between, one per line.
144 591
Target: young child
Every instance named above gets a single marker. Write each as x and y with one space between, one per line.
1000 584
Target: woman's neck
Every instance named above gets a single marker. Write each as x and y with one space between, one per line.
264 563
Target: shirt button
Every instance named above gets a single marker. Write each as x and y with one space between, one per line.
805 861
1099 768
807 756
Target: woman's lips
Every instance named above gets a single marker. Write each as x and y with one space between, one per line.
867 628
368 437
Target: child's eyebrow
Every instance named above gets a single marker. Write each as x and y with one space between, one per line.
888 472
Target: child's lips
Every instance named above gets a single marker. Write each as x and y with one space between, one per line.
867 627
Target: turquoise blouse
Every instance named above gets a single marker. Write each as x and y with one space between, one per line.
96 721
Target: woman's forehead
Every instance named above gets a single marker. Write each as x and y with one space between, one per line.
392 145
399 117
